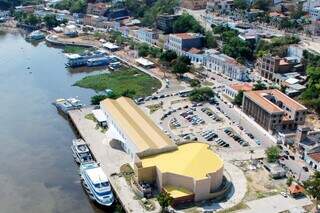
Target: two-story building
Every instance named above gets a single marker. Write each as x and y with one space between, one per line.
220 63
147 35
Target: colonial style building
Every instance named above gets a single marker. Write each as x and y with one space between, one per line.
217 62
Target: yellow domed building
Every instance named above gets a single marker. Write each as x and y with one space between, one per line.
193 172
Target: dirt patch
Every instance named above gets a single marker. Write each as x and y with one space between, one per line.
313 120
261 185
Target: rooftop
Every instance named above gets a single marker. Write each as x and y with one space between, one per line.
192 159
260 98
241 86
187 35
315 153
144 62
97 175
138 127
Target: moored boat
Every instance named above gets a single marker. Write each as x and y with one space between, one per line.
65 105
96 184
80 151
36 35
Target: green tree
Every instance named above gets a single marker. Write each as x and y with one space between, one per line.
259 86
143 50
238 99
168 56
51 21
164 200
261 4
96 99
201 94
241 4
129 93
289 181
272 153
195 83
209 40
180 68
187 23
312 187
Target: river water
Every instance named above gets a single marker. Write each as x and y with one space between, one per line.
37 171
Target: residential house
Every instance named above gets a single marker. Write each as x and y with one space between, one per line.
233 90
315 13
312 157
220 6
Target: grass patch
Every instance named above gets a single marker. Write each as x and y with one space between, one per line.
154 107
127 172
124 79
90 116
75 49
237 207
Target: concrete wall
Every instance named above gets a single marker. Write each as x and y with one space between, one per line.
216 179
178 180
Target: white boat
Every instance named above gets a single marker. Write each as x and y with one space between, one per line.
80 151
96 184
36 35
65 105
77 60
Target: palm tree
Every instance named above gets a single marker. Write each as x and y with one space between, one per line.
312 187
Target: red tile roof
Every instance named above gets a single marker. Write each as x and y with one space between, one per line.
259 98
241 86
296 188
315 156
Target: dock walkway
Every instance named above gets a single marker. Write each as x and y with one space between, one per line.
109 158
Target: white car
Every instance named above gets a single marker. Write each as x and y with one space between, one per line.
284 194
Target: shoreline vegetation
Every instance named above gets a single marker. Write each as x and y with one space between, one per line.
75 49
120 82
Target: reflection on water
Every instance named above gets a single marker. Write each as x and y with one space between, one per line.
38 173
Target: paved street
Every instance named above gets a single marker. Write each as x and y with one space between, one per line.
275 204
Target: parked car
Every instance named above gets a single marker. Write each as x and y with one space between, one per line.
305 169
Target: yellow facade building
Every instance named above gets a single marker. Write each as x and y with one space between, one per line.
189 172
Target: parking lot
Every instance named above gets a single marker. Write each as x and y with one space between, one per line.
182 120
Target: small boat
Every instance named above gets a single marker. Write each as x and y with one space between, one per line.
96 184
36 35
65 105
80 151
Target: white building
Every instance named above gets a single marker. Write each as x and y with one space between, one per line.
217 62
233 90
315 13
134 131
312 157
147 35
187 44
308 5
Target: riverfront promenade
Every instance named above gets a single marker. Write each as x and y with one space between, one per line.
109 158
